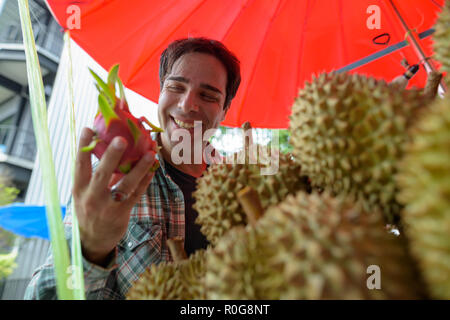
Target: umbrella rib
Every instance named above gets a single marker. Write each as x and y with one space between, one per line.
302 43
343 46
253 69
137 68
436 4
382 53
391 18
234 21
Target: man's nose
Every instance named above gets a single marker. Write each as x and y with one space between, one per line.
188 102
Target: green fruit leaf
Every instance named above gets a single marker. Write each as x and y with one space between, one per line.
125 168
112 78
107 112
122 92
134 131
104 89
154 128
154 167
108 100
91 146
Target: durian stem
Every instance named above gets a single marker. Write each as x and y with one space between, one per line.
249 199
248 140
432 86
176 249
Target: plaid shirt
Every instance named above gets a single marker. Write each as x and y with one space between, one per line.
158 216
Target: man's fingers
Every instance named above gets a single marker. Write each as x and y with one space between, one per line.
130 182
83 165
114 179
109 162
142 186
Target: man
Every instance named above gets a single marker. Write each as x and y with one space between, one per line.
124 230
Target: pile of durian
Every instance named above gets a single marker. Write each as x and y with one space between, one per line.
216 203
178 280
368 159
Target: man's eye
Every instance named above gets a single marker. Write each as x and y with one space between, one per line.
175 88
209 98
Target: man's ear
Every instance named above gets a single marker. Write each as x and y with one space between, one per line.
224 113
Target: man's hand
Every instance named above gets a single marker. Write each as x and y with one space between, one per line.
103 221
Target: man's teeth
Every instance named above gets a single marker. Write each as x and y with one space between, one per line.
184 124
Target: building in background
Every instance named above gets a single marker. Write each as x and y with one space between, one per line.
17 143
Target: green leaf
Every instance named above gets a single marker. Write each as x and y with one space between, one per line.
77 258
134 131
154 128
112 78
104 89
8 263
154 167
107 112
61 260
91 146
122 92
125 168
107 99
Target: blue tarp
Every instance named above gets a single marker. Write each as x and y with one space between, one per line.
26 220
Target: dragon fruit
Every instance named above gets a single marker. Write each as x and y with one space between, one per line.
115 119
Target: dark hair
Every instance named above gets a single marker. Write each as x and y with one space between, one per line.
215 48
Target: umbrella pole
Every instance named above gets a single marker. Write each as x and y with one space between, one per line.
429 65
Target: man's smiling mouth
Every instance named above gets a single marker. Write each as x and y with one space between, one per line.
185 125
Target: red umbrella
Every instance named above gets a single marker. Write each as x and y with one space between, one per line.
280 43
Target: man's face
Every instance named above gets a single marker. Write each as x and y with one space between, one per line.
194 90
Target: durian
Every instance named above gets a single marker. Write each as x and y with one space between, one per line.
180 280
236 268
424 180
191 274
158 282
215 195
312 247
347 133
441 39
328 248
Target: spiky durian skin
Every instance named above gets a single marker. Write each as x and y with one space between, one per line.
311 247
216 202
348 132
181 280
158 282
191 274
236 268
424 180
324 246
441 39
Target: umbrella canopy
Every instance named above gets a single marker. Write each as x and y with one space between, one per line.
280 43
26 220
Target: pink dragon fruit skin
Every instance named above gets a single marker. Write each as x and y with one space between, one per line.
118 121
